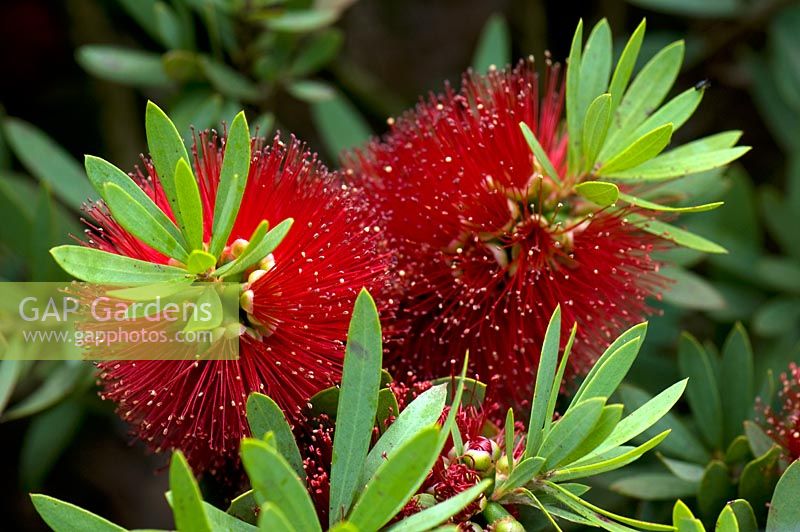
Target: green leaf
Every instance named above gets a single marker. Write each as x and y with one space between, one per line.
647 91
574 113
10 371
264 415
595 68
189 206
441 512
672 164
65 517
199 261
520 475
358 403
625 65
187 503
47 437
230 82
168 24
616 361
642 418
508 437
311 91
539 153
612 462
665 208
595 128
758 481
684 470
387 409
738 450
494 45
272 518
682 443
260 246
736 382
166 149
689 290
569 431
654 487
244 507
135 219
727 521
745 518
691 8
609 418
302 21
758 440
340 124
599 192
320 50
274 480
232 181
562 367
48 162
702 392
123 65
101 172
420 413
675 234
643 149
544 384
95 266
396 480
715 489
784 512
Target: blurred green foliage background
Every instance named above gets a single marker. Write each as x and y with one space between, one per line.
76 75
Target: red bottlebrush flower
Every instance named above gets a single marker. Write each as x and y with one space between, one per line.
783 425
300 303
487 247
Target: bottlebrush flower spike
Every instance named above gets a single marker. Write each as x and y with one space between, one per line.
295 301
783 424
500 213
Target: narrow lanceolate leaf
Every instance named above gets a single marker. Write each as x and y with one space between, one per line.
358 403
95 266
259 247
642 418
642 150
396 480
263 416
508 436
539 153
494 45
736 382
187 503
611 369
450 423
595 67
625 66
166 148
272 518
101 172
595 128
420 413
647 91
274 480
609 418
649 205
522 474
672 164
702 391
544 383
569 431
439 513
610 464
637 332
189 205
562 367
600 192
200 261
232 181
677 235
47 161
136 220
65 517
574 115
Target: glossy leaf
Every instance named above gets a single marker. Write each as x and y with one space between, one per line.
232 181
625 65
189 205
271 518
358 403
569 431
574 113
95 266
677 235
544 384
263 416
600 192
65 517
784 512
745 518
758 479
595 69
166 148
187 503
736 382
595 128
441 512
715 489
521 474
702 391
539 153
649 205
641 150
